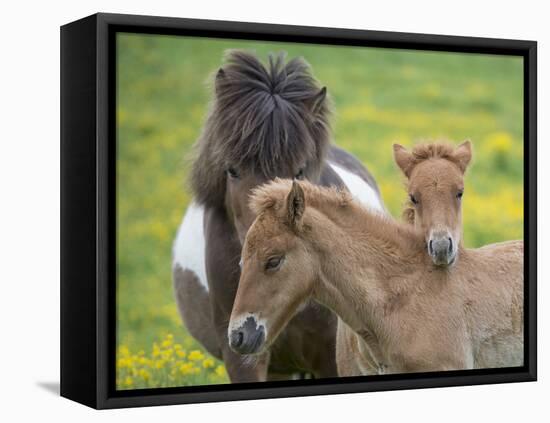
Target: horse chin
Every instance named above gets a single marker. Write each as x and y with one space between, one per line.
444 262
260 349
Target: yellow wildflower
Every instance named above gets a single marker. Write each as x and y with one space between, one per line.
186 368
195 355
167 354
220 370
208 363
156 350
145 375
123 350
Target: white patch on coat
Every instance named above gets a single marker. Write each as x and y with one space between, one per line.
189 247
359 188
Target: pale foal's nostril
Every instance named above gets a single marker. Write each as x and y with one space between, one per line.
450 245
430 247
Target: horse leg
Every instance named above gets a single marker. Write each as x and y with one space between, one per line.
194 307
346 351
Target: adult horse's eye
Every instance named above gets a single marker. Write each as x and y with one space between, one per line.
232 172
460 194
273 263
413 199
299 175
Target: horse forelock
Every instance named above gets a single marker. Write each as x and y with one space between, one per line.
437 150
421 153
261 120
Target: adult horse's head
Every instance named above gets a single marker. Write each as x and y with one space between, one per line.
265 122
435 183
278 271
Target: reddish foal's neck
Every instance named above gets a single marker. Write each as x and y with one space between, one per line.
362 255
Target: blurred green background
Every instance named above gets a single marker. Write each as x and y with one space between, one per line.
381 96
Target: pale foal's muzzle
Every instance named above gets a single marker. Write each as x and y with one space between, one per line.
442 249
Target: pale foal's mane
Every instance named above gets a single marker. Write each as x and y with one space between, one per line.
341 207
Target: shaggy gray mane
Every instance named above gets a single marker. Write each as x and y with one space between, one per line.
271 120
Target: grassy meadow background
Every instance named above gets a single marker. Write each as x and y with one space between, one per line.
381 96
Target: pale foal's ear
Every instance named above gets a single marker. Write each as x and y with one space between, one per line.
295 205
403 158
463 155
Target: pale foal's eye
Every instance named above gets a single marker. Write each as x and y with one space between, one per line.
414 200
459 194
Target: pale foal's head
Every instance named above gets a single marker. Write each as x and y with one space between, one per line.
435 184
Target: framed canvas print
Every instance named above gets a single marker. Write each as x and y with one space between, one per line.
256 211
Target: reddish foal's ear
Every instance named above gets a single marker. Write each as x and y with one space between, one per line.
316 102
295 204
463 155
403 158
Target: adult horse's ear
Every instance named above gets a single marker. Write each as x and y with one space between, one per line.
295 205
403 158
220 78
463 155
315 103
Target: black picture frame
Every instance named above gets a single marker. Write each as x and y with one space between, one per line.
88 193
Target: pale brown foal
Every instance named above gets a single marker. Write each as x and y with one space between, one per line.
401 313
435 185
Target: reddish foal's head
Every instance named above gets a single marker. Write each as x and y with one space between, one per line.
277 275
435 183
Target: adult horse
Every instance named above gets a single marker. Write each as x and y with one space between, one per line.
265 122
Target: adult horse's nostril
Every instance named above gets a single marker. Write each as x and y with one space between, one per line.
237 337
450 245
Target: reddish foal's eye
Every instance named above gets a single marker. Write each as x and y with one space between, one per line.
460 194
413 199
273 263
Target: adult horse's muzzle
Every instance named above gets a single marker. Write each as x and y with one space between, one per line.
442 249
248 338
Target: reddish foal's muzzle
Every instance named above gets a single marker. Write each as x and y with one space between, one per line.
248 337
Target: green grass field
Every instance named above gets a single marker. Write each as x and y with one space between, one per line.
381 96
